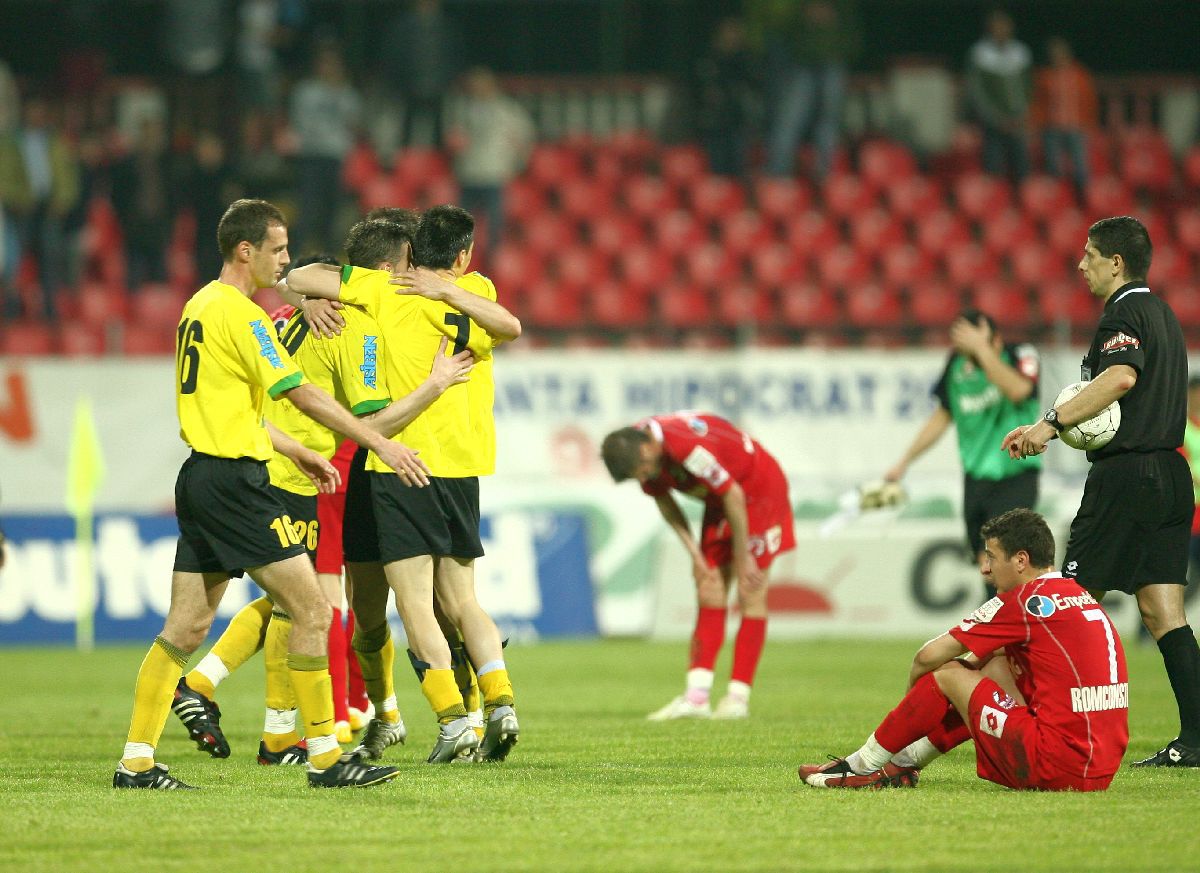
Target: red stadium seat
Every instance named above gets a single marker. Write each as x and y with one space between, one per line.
710 266
100 304
873 306
776 265
806 305
1045 197
1187 228
846 195
677 231
915 198
883 163
552 164
941 231
156 306
1008 231
435 192
360 166
648 196
811 232
583 198
742 304
906 266
381 189
876 230
606 167
1185 301
781 199
548 304
1108 195
523 199
613 232
680 305
980 196
715 196
1036 265
416 165
1006 303
1157 225
611 305
683 165
77 340
1190 167
934 304
1067 233
1145 160
138 340
580 267
28 339
843 266
745 231
1170 266
547 233
1068 301
970 263
513 266
645 267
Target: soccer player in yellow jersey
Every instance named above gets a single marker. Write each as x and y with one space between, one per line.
228 362
428 541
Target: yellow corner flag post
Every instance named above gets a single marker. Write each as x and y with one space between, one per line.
85 472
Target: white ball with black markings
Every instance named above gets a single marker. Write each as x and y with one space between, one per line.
1096 432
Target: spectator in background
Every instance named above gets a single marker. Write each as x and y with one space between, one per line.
999 88
209 182
421 74
491 139
196 42
51 168
325 114
726 99
255 52
144 201
809 45
1066 107
260 169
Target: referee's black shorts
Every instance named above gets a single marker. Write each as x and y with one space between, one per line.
984 499
1134 523
441 519
229 517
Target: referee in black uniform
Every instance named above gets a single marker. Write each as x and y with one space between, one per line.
1133 527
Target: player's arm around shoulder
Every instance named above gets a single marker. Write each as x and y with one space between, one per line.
473 295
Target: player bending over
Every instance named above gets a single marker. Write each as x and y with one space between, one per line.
1045 695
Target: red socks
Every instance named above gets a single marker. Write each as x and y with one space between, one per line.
748 649
708 637
920 713
357 689
337 666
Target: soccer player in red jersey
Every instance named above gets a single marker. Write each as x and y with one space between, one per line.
747 523
1044 692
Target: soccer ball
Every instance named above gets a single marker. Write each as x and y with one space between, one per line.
1095 433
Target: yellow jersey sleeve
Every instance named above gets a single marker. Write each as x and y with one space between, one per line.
369 289
358 358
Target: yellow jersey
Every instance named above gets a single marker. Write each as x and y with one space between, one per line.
348 366
227 360
456 435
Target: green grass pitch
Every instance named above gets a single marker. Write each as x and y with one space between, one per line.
592 785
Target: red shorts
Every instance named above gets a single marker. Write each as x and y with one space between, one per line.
331 509
769 511
1009 746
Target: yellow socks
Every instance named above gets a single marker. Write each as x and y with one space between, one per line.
376 655
152 695
496 686
314 691
241 640
443 695
279 729
464 677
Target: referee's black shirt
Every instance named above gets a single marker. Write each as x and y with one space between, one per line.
1140 330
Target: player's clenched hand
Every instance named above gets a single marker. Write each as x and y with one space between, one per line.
1026 440
424 282
319 471
453 370
322 316
402 459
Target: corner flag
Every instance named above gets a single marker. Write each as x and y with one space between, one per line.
85 472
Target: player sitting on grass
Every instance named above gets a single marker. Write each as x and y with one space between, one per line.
1046 698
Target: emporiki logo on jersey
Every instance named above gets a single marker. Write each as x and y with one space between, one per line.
1120 341
370 358
266 347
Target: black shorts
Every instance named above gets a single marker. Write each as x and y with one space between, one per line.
441 519
360 541
984 499
229 517
1134 523
301 510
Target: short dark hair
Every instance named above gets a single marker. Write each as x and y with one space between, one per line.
1022 530
444 231
622 452
1124 235
371 242
246 220
406 218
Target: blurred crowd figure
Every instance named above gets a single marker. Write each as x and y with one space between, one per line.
999 83
1066 108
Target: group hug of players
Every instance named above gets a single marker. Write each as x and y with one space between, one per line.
400 364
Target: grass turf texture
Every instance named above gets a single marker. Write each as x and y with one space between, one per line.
592 785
